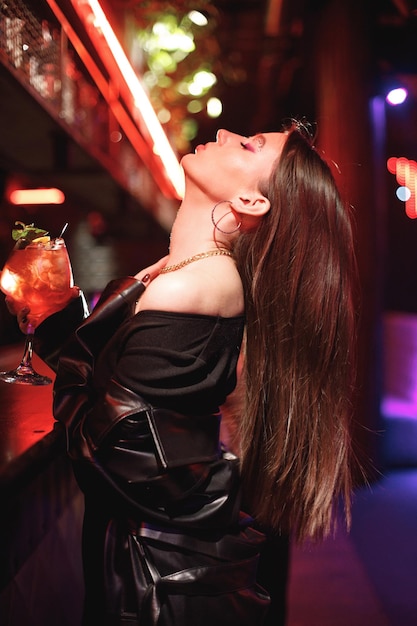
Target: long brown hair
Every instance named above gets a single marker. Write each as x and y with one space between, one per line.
298 272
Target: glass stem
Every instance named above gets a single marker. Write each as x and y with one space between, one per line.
28 350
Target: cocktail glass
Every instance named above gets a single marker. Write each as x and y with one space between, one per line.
39 277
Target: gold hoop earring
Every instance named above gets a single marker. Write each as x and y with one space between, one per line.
216 224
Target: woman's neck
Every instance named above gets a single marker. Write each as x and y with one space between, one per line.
193 233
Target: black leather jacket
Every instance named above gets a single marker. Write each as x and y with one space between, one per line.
177 549
166 466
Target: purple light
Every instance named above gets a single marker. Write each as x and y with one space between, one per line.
397 96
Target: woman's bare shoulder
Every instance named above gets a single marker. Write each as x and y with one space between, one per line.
207 291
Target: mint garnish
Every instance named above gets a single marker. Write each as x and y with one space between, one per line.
27 231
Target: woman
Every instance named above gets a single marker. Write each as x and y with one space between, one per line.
261 244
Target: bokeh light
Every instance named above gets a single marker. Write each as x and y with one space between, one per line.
396 96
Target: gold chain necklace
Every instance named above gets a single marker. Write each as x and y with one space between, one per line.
196 257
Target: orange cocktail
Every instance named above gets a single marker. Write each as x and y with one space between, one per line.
38 276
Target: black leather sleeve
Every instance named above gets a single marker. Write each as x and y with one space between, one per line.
73 389
54 332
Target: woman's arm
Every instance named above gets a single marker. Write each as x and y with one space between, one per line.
53 333
73 389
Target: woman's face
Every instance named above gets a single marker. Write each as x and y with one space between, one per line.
233 163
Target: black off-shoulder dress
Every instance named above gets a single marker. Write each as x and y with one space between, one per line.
165 541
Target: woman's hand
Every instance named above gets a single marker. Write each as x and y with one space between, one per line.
23 314
151 272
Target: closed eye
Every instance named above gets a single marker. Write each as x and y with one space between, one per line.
247 146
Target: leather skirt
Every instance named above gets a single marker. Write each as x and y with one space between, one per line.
174 548
158 577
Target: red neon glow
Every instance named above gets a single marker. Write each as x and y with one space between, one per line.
119 66
405 171
37 196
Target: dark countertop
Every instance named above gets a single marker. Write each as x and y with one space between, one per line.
41 579
28 436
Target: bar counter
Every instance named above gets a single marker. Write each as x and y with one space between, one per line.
42 507
25 418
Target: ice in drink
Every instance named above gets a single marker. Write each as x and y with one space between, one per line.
38 276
